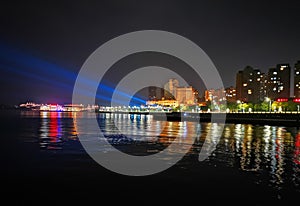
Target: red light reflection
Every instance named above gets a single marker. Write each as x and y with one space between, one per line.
297 149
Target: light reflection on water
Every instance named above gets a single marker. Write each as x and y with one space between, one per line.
56 128
270 152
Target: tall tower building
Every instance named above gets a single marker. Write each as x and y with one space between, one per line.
278 85
297 80
249 85
170 89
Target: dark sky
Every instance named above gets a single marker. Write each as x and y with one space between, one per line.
38 39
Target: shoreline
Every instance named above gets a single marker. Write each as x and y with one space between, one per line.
259 118
263 118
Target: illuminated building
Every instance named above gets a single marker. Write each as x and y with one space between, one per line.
250 85
215 95
170 89
297 80
164 103
278 85
30 106
51 107
186 95
74 107
230 94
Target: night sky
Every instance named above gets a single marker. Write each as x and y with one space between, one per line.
43 45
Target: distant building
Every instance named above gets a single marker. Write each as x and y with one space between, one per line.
51 107
164 103
230 94
219 95
78 107
278 85
170 89
30 106
297 80
186 95
214 95
250 85
155 93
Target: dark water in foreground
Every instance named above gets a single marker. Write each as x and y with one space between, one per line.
42 157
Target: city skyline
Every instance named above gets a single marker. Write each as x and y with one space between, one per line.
47 45
165 92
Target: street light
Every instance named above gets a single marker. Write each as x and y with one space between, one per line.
239 103
270 103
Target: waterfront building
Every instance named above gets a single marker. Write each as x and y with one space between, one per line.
29 106
215 95
186 95
230 94
278 85
51 107
297 80
250 85
78 107
165 103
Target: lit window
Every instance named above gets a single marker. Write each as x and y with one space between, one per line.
281 87
258 79
297 72
249 91
275 73
244 84
282 68
274 89
250 80
258 72
274 81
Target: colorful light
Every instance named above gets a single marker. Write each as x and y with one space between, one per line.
296 100
282 100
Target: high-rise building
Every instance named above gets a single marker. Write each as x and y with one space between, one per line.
170 89
155 93
278 85
250 85
297 80
186 95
